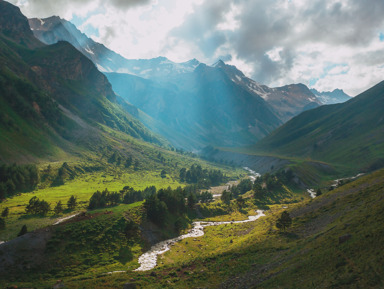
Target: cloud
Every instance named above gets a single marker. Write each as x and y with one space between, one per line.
127 4
293 41
274 42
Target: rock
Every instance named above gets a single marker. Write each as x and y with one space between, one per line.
130 286
343 239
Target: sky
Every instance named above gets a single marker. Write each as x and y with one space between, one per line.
325 44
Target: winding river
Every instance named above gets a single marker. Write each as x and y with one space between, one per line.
148 260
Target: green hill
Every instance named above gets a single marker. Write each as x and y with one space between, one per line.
347 135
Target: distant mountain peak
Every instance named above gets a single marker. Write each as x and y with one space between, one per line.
219 63
193 62
331 97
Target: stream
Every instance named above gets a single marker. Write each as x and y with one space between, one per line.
336 184
148 260
253 175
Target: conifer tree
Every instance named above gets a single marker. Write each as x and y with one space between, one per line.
284 221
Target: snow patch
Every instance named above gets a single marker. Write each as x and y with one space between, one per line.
88 50
101 68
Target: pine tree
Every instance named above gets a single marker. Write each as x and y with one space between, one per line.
2 224
23 231
284 221
192 200
5 212
72 202
58 208
226 197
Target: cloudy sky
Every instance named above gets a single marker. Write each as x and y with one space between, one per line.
325 44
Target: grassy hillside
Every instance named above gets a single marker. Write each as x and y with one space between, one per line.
334 242
345 135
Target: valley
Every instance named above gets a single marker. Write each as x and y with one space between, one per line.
150 173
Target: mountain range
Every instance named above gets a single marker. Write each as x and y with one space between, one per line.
191 104
331 97
161 89
91 177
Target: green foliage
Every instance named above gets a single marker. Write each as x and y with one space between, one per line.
240 202
226 197
156 210
58 209
104 199
2 224
99 241
203 177
191 200
5 212
206 197
17 178
72 203
284 222
23 231
244 186
37 207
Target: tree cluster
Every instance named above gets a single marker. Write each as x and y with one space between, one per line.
37 207
244 186
41 207
271 183
104 199
204 177
127 195
17 178
173 201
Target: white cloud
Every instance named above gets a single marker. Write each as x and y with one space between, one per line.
328 44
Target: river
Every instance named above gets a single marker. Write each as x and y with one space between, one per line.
148 260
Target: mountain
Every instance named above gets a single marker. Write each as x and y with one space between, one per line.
287 101
188 103
348 134
53 99
214 105
53 29
204 106
331 97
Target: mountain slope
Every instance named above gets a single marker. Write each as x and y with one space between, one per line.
205 106
54 95
53 29
331 97
348 134
286 101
